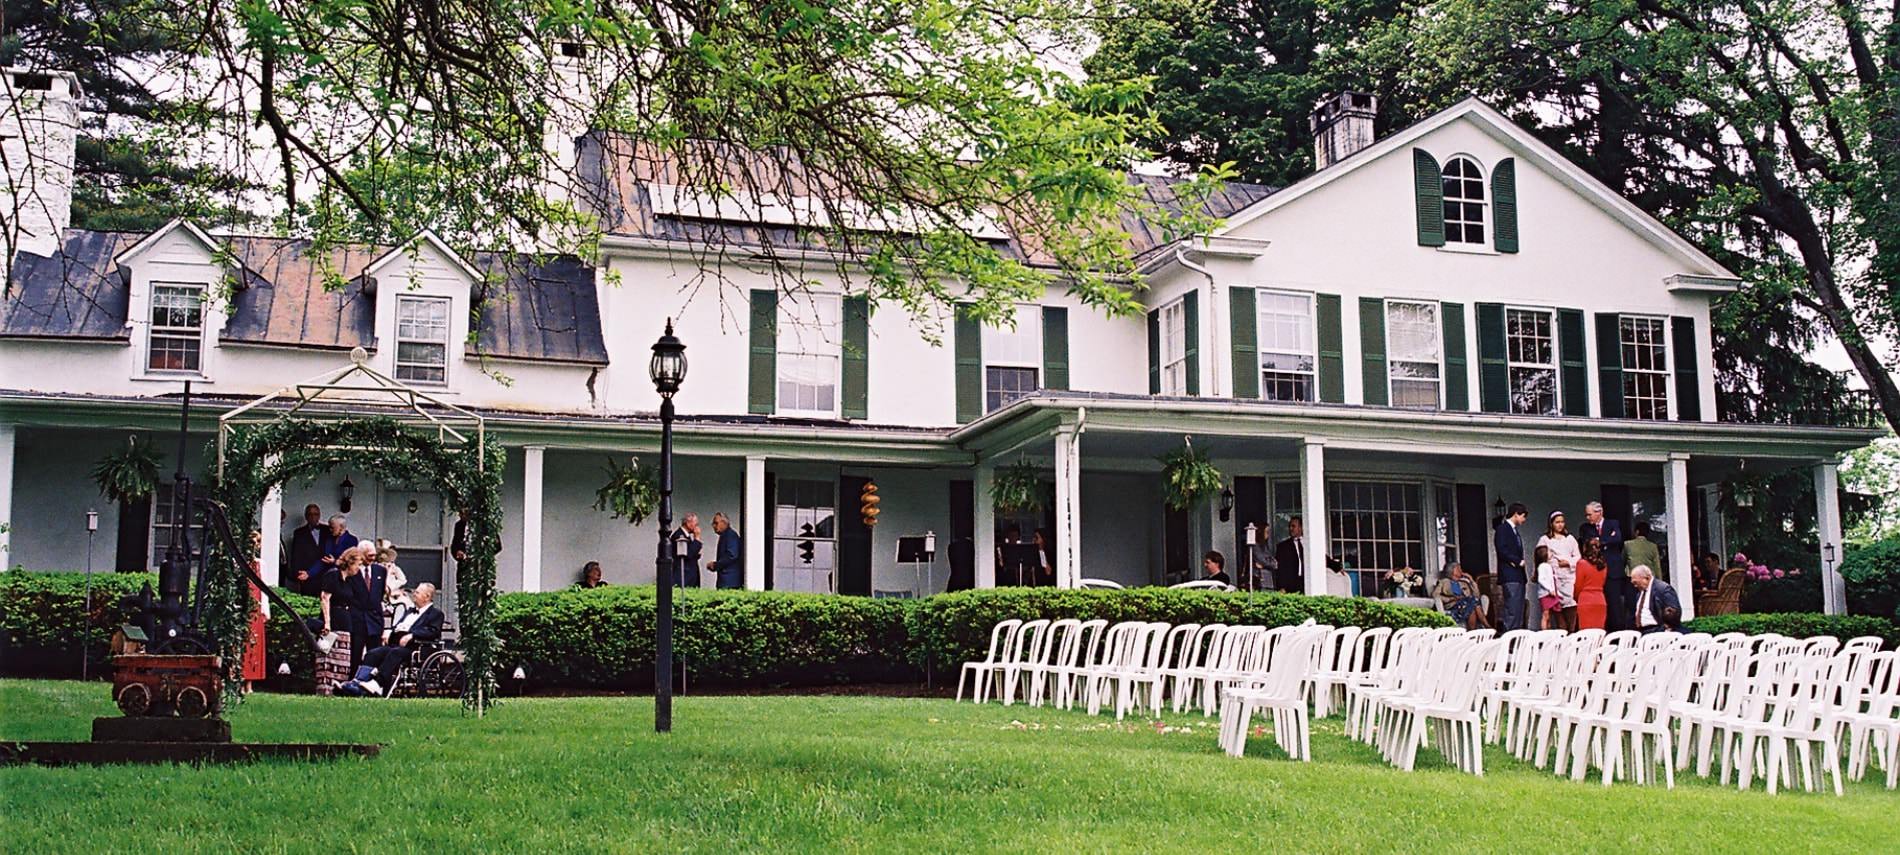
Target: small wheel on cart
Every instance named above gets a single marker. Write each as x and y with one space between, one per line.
192 702
135 699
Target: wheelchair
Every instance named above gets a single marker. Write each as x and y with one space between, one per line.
435 670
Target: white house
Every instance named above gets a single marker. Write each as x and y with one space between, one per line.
1433 322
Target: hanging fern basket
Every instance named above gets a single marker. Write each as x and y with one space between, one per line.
1190 478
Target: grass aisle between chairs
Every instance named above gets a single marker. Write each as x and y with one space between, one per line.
849 774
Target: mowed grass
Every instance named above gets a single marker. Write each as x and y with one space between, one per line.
851 774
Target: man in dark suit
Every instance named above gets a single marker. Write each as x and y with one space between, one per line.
423 623
337 540
1608 533
729 557
1657 608
686 574
376 579
1511 577
458 542
1290 556
306 552
962 565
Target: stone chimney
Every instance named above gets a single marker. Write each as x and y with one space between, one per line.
39 128
1342 125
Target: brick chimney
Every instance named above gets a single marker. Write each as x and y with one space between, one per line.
39 126
1342 125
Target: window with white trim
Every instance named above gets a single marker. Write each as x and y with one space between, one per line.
1012 360
1413 344
810 355
805 536
1375 527
1174 369
1645 368
161 536
1464 201
422 339
1286 340
176 339
1530 345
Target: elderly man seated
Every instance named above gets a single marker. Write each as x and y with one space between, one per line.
424 623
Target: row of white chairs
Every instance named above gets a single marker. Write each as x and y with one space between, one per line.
1624 704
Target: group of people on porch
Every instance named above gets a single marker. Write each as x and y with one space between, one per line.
726 567
1593 578
361 591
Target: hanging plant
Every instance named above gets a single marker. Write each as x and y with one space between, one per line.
1189 476
129 474
1018 488
631 493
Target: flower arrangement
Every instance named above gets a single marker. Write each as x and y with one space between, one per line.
1404 582
1758 572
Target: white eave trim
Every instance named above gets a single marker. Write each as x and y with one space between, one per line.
1526 145
403 250
1692 283
145 245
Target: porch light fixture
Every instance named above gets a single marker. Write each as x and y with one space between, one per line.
1827 552
1497 508
348 491
1226 503
668 370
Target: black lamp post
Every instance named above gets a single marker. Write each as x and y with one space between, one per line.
668 370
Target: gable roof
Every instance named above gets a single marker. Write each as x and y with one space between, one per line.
538 308
1526 145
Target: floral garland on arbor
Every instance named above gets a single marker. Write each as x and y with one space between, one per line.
259 457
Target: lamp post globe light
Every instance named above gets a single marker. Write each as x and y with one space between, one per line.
668 370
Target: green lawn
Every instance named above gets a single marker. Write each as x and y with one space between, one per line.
851 774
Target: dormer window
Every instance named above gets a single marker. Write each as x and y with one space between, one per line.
422 339
176 343
1464 202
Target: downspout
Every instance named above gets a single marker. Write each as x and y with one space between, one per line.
1216 388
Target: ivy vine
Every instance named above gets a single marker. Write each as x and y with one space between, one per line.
259 457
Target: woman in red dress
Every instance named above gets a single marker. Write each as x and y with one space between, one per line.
1592 608
254 645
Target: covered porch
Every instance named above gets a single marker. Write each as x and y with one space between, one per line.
1377 489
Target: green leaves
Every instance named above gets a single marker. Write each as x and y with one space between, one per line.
1017 488
1190 478
130 473
631 492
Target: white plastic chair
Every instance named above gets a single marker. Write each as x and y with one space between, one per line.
999 639
1099 584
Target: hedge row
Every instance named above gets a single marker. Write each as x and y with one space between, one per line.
1800 625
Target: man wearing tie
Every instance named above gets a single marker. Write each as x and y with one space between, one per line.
1511 577
306 552
1618 594
729 563
1290 555
686 574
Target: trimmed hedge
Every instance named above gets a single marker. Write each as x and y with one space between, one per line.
603 637
1799 625
949 629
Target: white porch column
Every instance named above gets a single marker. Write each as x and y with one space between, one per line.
7 440
531 468
1827 517
1681 558
270 522
758 531
1313 513
981 484
1068 506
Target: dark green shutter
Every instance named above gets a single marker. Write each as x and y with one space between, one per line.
1055 348
969 345
1154 352
1332 359
1573 364
1372 351
1610 364
857 367
1688 385
1504 203
1246 342
1457 384
1430 190
762 378
1191 314
1494 369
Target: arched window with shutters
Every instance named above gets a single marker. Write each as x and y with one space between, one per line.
1465 202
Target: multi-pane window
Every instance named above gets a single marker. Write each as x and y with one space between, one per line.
805 536
422 339
1375 527
810 351
1012 360
1645 368
162 526
177 333
1531 347
1174 368
1464 201
1412 353
1287 354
